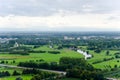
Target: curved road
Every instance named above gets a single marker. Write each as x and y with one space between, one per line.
11 66
59 72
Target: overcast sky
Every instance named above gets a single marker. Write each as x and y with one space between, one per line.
60 15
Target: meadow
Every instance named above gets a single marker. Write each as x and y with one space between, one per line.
24 77
48 57
101 56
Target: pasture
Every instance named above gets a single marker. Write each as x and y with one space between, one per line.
101 56
47 57
24 77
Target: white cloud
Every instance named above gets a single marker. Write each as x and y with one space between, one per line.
60 14
95 21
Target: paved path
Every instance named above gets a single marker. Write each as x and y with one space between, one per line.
11 66
59 72
112 79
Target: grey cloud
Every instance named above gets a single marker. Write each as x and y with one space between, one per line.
50 7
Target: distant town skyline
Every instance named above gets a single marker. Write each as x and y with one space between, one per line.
59 15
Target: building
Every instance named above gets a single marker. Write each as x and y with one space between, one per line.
16 44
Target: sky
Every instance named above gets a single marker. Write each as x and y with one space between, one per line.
59 15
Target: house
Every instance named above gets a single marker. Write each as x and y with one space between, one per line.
16 44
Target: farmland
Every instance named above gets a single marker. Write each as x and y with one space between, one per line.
50 49
37 56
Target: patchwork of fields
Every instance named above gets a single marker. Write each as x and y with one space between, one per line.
47 57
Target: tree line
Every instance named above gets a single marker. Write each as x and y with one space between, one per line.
75 68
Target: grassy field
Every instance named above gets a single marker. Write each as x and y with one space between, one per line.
37 56
10 70
69 79
55 58
63 53
24 77
28 77
101 56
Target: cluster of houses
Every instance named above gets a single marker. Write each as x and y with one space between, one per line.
71 38
82 37
6 40
89 37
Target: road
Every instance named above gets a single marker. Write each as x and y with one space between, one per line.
59 72
112 79
11 66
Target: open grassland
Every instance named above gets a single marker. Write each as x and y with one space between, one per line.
48 57
101 56
10 70
28 77
69 79
24 77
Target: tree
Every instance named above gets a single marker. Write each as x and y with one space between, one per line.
107 52
87 52
84 74
36 77
2 62
19 78
15 73
97 50
7 73
6 62
13 61
115 66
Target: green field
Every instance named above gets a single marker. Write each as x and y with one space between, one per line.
24 77
37 56
63 53
101 56
48 57
10 70
69 79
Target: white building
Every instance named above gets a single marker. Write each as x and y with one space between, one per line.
68 38
87 56
16 44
